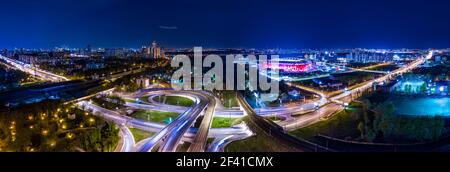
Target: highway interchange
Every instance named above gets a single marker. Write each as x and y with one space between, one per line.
167 138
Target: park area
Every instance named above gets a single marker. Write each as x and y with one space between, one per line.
155 116
174 100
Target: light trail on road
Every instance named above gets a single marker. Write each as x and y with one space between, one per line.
44 75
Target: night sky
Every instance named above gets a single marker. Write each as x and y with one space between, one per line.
226 24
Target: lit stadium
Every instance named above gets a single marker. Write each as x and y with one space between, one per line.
291 66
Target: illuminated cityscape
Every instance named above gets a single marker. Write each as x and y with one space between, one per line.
118 78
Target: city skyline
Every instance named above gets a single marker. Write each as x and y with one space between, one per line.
220 84
249 24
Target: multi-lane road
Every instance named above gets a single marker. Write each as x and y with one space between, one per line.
174 132
171 135
336 103
27 68
126 144
168 137
322 108
200 140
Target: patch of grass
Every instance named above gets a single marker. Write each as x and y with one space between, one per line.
154 116
342 125
140 134
260 142
219 122
230 102
130 100
229 99
210 140
175 100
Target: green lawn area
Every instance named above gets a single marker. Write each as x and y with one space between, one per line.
219 122
230 102
341 125
260 142
175 100
210 140
155 116
229 99
130 100
140 134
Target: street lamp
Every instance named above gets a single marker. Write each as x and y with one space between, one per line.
45 132
91 120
